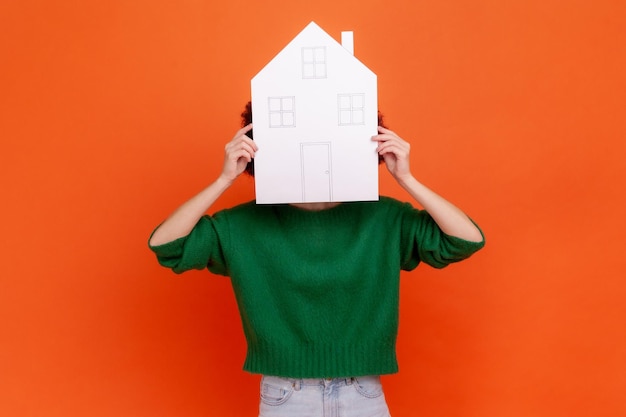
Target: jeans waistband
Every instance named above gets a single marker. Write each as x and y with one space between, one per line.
298 383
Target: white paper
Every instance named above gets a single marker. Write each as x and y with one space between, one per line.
314 110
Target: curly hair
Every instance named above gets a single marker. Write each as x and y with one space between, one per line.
246 119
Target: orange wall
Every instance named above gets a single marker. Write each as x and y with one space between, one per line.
114 112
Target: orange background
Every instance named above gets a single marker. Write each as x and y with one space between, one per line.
114 112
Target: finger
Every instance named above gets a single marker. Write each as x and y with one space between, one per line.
398 151
236 147
250 143
385 137
243 131
394 142
240 141
243 138
242 153
248 147
385 130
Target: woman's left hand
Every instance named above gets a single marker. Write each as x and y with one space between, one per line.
395 151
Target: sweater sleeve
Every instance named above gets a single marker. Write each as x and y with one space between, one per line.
202 248
424 241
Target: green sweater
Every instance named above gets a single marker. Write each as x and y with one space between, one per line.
317 290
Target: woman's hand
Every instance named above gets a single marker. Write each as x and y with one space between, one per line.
450 219
395 151
237 154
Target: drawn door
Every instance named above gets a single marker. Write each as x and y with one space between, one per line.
316 172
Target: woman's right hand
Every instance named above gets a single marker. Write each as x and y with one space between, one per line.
238 153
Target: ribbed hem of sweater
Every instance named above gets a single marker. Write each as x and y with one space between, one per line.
322 360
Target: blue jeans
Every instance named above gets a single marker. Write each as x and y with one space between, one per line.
339 397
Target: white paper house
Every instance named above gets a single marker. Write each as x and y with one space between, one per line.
314 109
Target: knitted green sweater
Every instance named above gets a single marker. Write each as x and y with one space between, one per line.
317 290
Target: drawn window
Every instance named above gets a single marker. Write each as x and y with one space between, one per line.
282 111
314 62
351 109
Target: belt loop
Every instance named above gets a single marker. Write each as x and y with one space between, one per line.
297 384
349 381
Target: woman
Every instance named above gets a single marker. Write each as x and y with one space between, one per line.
317 283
